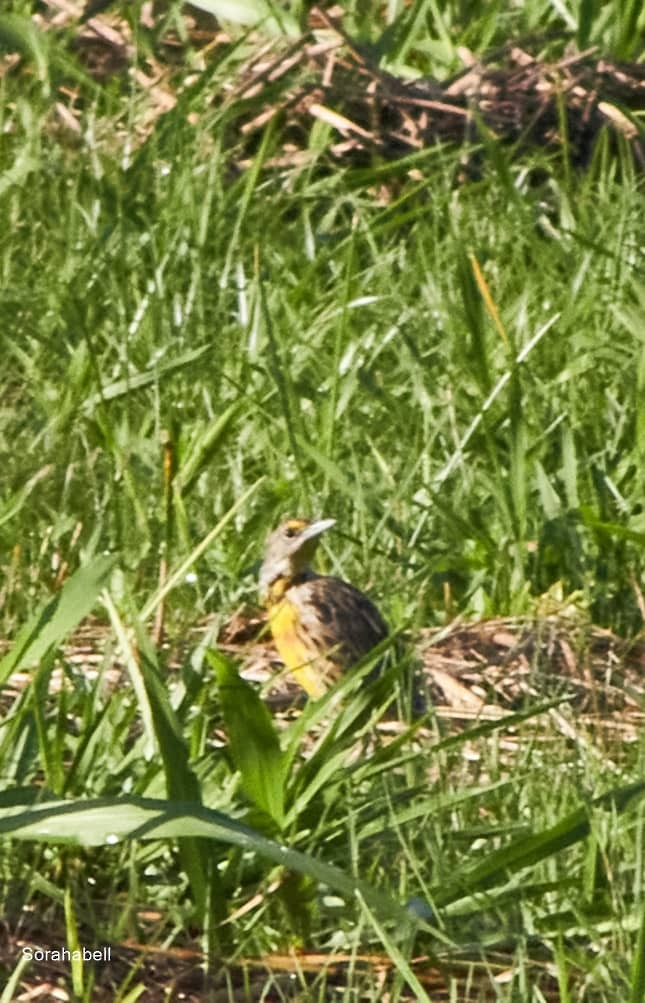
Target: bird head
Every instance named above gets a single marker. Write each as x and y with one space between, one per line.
290 549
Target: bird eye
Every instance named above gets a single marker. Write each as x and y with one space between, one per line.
290 532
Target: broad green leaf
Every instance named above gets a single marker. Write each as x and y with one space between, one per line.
253 740
108 821
165 739
58 617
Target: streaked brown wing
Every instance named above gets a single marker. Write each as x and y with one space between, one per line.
342 622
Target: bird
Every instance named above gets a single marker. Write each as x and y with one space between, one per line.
321 625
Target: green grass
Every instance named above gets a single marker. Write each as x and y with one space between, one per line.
293 342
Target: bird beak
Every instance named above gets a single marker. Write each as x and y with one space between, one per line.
315 529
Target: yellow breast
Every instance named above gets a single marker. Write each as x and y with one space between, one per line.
292 647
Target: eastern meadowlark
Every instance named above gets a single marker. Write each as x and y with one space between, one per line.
321 625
